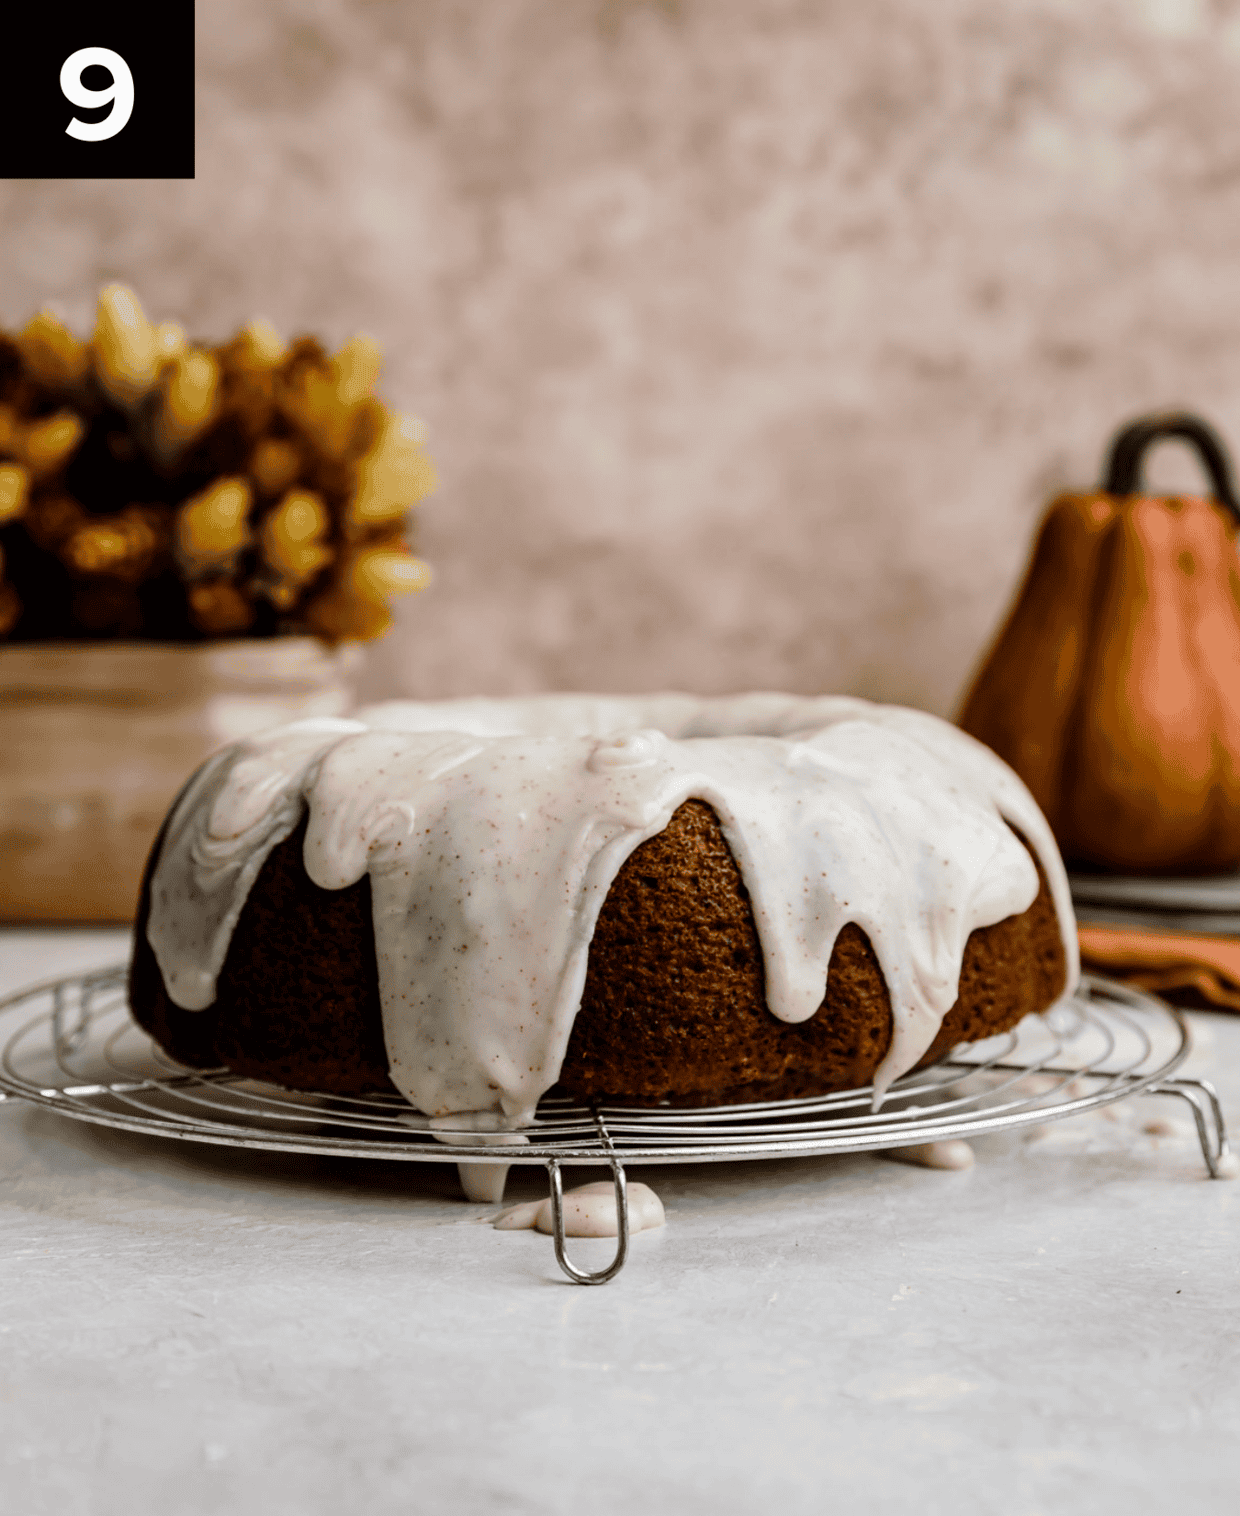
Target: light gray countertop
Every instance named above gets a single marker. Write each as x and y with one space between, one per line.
203 1329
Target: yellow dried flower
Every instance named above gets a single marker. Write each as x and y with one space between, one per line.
52 354
283 594
49 444
96 549
211 528
265 345
187 404
219 608
312 404
355 607
14 491
338 616
381 571
170 340
122 546
126 356
291 537
274 464
394 475
356 367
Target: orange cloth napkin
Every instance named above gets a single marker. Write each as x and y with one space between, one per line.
1162 961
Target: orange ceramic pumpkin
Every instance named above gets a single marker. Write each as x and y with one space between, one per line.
1113 688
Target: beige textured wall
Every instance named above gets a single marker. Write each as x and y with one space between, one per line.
752 334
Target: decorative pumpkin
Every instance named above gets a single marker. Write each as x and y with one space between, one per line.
1113 689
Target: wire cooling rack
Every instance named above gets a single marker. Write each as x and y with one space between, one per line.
71 1046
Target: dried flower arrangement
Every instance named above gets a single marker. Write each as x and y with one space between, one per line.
154 488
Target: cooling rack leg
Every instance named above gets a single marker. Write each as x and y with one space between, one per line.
581 1276
67 1039
1201 1095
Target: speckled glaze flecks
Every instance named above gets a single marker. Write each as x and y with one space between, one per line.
952 1153
493 829
589 1211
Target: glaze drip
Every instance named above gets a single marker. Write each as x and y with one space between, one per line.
493 830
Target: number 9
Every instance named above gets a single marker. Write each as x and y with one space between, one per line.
120 91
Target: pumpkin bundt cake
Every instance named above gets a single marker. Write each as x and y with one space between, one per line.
645 900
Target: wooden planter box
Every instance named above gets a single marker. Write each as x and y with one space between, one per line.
97 738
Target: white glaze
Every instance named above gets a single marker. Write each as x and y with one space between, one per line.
589 1211
493 829
951 1153
483 1182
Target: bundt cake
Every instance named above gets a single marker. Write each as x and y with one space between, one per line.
656 899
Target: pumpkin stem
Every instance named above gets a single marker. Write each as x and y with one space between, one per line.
1123 473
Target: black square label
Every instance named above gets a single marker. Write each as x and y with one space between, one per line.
102 91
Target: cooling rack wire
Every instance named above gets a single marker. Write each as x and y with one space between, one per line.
70 1046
